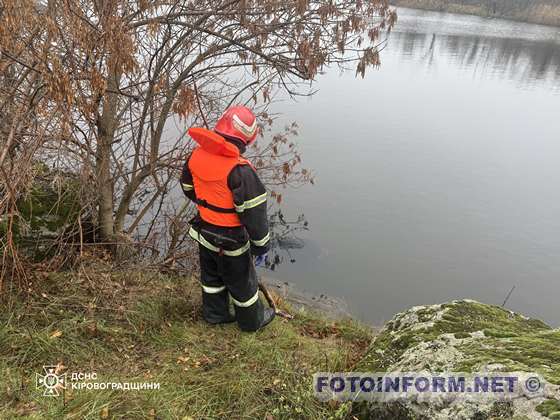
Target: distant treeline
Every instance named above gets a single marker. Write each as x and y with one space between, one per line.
535 11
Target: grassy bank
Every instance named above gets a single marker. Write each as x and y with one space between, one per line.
546 12
134 326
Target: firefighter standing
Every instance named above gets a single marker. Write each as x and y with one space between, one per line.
232 225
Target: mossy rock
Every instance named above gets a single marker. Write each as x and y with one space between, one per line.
469 337
52 202
550 408
49 209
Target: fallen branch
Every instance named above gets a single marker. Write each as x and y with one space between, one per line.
272 303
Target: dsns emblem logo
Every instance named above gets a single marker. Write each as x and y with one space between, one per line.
52 381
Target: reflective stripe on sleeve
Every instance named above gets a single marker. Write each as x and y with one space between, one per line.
204 242
263 241
249 204
247 302
213 290
187 187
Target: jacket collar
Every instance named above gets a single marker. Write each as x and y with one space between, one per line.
237 143
214 143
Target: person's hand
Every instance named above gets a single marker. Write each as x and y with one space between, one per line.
260 260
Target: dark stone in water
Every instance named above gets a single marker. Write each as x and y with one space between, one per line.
290 243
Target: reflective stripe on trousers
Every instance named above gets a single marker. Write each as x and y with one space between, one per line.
205 243
213 290
247 303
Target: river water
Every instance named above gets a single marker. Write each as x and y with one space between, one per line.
437 177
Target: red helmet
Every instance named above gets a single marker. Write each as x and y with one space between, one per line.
238 122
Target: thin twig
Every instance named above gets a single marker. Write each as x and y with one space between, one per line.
199 105
508 296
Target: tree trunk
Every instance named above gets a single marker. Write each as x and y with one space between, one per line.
106 126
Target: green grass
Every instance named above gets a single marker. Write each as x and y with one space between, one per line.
145 327
550 408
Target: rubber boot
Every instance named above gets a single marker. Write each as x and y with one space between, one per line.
268 316
254 317
228 320
215 308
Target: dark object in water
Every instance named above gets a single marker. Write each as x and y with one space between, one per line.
290 243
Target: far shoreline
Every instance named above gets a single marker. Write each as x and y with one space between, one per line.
454 8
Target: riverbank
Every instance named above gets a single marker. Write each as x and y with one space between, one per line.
544 12
101 324
145 327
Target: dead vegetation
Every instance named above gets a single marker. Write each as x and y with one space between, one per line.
104 89
140 325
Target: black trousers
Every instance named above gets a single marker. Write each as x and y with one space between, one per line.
223 275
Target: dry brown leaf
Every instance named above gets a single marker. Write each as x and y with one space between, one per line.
56 334
59 368
104 413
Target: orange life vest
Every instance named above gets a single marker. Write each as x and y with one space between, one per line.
210 165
